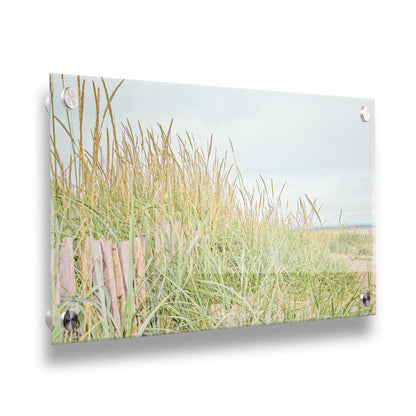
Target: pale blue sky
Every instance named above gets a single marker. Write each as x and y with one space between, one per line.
316 144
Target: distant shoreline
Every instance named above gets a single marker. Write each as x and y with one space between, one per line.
361 227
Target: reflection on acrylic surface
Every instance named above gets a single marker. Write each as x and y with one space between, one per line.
182 208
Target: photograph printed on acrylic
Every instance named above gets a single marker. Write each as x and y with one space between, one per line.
178 208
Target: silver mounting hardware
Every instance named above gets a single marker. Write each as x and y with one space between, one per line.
48 319
365 114
365 298
69 98
69 320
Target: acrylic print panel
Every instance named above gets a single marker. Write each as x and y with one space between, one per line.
178 208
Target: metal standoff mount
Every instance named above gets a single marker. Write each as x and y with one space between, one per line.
365 114
69 98
48 319
69 320
365 298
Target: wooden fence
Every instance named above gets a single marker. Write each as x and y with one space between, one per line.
108 261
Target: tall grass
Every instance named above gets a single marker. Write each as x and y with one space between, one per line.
234 256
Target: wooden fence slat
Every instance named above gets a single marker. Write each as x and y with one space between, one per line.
139 252
56 297
65 274
123 252
179 233
124 249
158 245
93 261
109 279
87 264
121 294
139 256
124 265
166 231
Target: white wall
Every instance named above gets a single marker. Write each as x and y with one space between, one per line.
357 366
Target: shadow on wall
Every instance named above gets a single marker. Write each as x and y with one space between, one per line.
163 346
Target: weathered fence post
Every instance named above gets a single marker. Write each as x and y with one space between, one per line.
121 294
139 253
64 274
93 261
123 252
109 279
